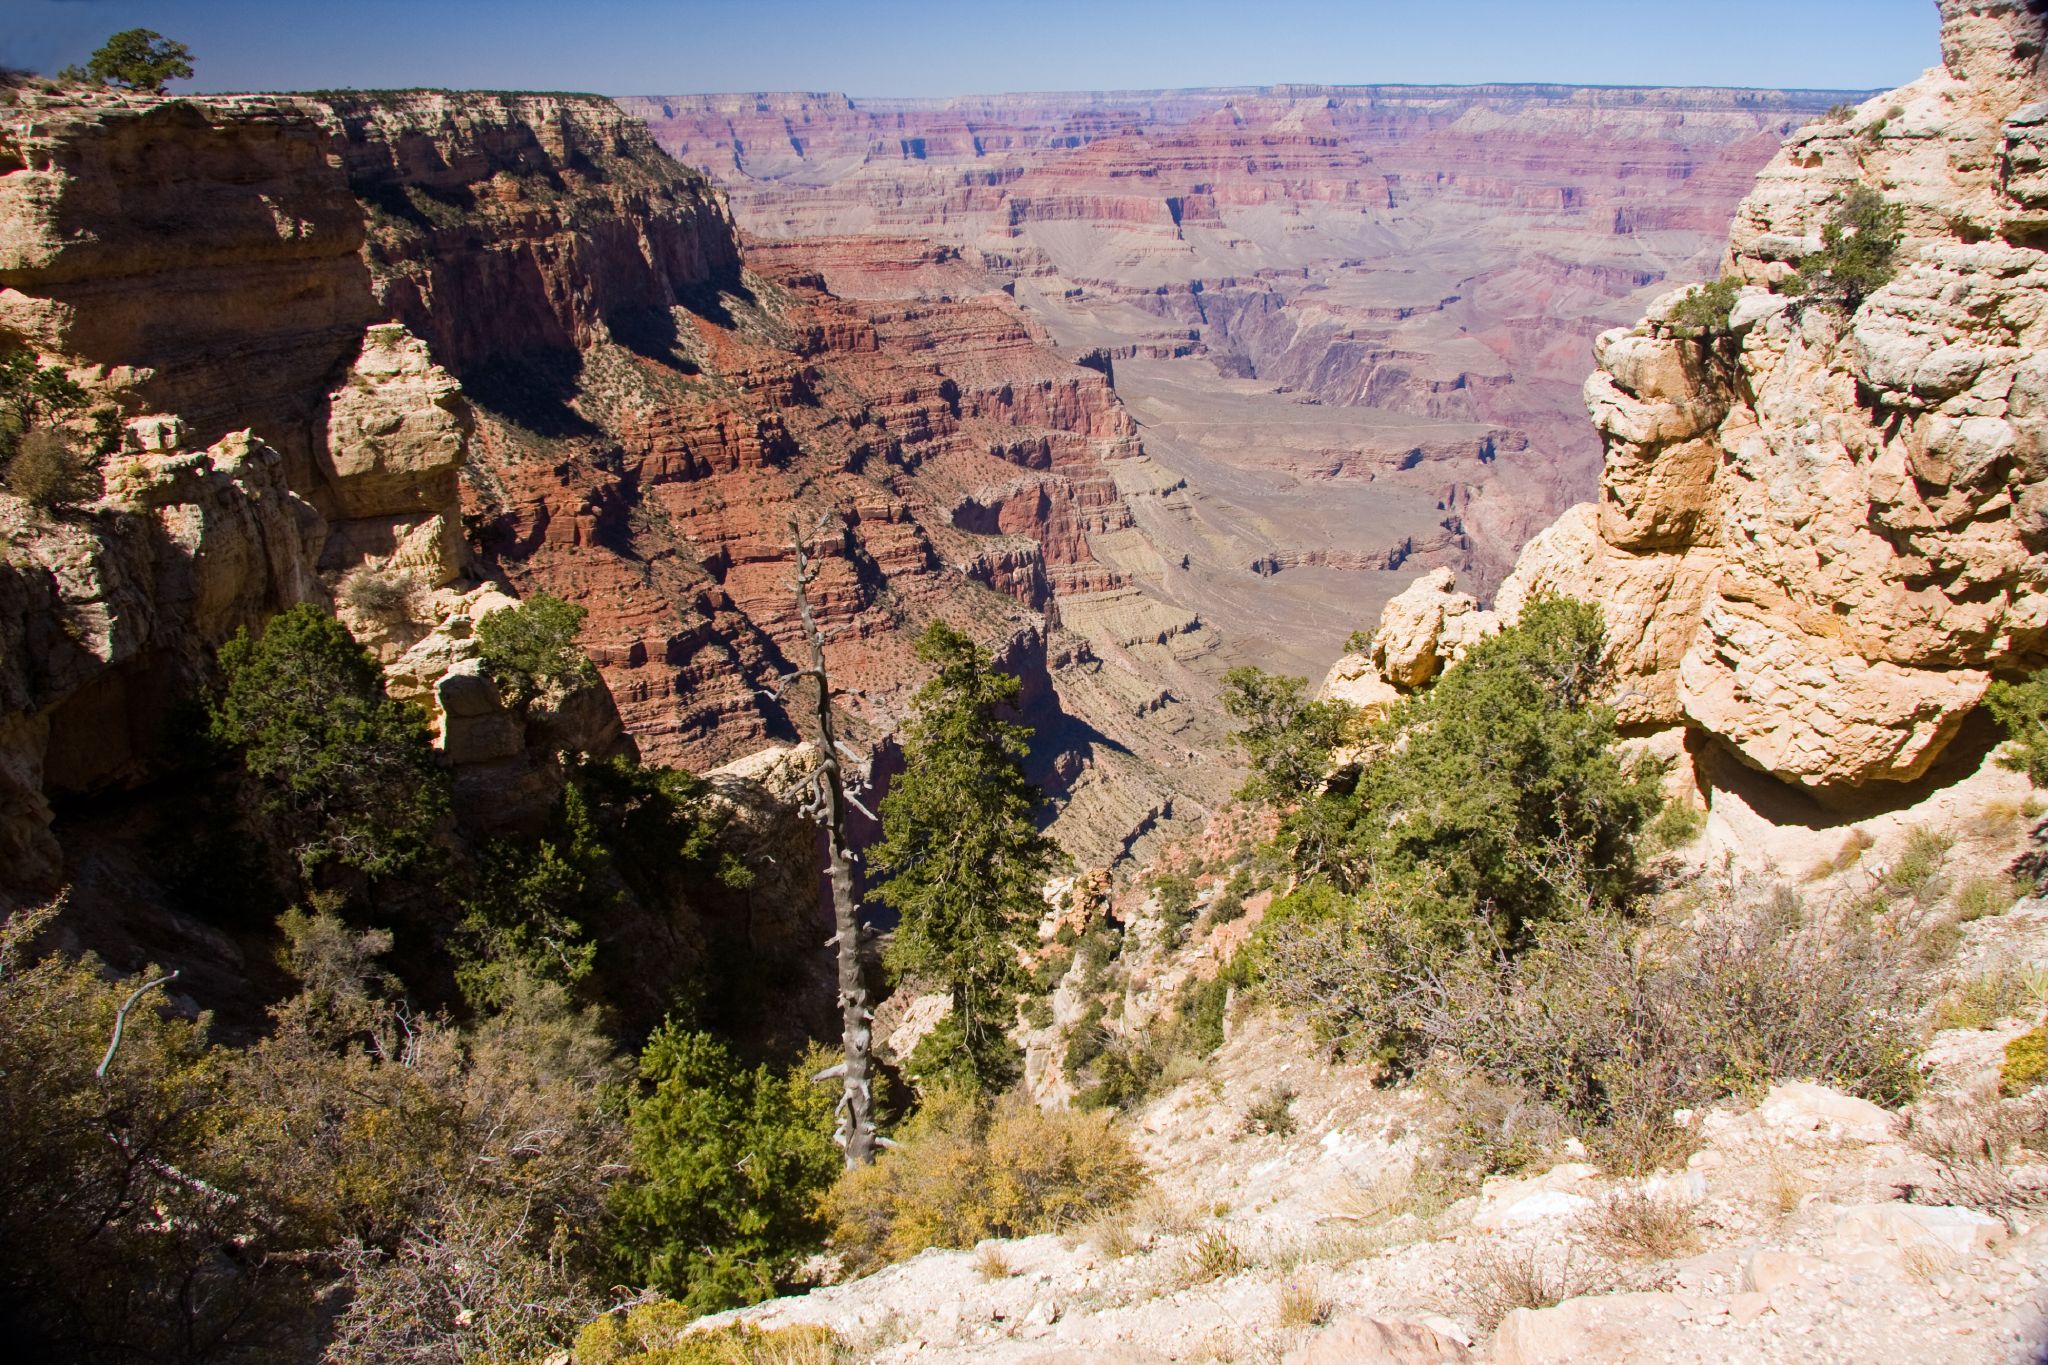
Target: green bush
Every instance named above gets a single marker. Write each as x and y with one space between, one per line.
348 773
727 1167
530 650
1495 800
1858 243
963 1171
2021 708
1286 737
1704 311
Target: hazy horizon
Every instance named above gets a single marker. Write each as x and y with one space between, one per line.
924 49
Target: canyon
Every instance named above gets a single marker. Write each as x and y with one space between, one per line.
1350 324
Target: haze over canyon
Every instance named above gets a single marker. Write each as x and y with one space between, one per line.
1350 324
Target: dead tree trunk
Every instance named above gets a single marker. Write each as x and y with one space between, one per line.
856 1131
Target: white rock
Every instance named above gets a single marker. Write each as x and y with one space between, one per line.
1801 1106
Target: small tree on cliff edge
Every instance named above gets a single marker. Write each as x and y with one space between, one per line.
962 858
137 59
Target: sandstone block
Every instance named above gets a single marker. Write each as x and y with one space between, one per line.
1356 681
482 738
465 692
1939 1227
1810 709
1804 1107
1355 1339
1610 1327
397 430
1427 626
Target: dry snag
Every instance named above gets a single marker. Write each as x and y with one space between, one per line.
827 804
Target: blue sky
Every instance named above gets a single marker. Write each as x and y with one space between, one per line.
941 47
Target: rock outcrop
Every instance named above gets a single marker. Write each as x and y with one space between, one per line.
1820 532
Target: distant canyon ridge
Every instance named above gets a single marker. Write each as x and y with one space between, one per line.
1351 323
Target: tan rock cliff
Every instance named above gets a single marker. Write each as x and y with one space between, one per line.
1819 540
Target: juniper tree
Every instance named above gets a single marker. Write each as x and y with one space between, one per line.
962 858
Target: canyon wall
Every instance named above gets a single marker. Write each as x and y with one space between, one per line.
1820 529
489 341
1352 321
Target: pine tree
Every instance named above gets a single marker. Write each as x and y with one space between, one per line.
962 859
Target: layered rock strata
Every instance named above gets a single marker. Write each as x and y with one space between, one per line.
1353 321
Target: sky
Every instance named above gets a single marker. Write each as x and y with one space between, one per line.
949 47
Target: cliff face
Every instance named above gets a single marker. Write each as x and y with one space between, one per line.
1354 320
626 417
651 418
1817 541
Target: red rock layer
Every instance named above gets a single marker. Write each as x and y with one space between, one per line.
653 419
1442 253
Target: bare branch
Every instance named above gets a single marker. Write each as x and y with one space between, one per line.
121 1020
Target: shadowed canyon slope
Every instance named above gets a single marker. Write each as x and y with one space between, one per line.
644 415
1351 322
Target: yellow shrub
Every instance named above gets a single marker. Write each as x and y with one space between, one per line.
961 1174
2026 1062
659 1334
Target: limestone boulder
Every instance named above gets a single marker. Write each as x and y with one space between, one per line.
1425 627
1607 1327
1357 1339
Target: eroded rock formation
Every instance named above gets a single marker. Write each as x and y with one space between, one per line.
1820 532
1353 321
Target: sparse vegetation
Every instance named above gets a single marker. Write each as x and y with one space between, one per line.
1214 1257
43 463
1633 1223
382 594
1302 1304
1858 242
530 650
660 1333
1915 872
1992 1156
1986 1000
49 470
1983 896
963 1172
1272 1112
1703 313
1499 1280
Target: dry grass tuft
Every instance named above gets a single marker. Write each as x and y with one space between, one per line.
1114 1236
1303 1304
991 1264
1785 1185
1499 1280
1632 1224
1857 843
1214 1257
